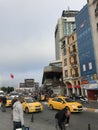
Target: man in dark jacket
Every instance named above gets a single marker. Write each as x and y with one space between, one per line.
61 117
3 105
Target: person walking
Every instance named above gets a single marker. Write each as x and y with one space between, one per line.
61 118
13 101
3 104
17 114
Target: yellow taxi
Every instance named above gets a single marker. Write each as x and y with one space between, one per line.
30 105
61 102
9 101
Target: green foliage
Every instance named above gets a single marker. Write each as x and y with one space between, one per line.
7 89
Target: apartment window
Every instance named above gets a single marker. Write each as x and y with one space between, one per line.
90 66
84 67
63 45
72 37
65 62
96 10
97 26
66 73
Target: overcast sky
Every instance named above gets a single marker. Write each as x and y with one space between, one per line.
27 41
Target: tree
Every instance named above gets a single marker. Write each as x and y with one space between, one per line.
7 89
4 89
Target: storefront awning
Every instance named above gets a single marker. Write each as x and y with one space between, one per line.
69 86
77 86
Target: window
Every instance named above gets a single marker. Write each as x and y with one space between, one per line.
66 73
97 26
72 37
84 67
65 62
90 66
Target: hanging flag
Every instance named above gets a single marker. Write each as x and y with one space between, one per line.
12 76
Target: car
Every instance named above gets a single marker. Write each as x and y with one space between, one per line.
14 94
61 102
9 101
1 93
81 99
31 105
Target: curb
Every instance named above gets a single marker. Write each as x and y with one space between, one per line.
90 109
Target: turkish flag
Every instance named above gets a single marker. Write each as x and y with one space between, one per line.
12 76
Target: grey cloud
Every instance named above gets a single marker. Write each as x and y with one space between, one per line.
27 36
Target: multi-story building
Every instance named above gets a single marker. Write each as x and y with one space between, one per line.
87 37
70 64
52 77
65 26
29 85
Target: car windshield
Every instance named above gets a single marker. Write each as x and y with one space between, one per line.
68 100
29 100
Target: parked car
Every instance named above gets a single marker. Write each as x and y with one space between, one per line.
61 102
80 98
30 105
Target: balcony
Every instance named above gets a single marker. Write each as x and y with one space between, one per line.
73 64
75 75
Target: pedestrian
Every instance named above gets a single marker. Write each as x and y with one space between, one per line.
18 118
3 104
61 117
13 101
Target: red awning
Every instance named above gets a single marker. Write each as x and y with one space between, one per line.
69 86
77 86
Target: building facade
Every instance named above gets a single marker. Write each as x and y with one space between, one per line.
70 64
65 26
87 53
29 85
52 78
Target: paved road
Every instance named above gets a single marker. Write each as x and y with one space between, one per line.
45 120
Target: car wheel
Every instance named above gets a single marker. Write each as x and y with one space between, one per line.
26 110
51 107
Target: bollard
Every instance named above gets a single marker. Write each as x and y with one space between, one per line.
89 127
32 117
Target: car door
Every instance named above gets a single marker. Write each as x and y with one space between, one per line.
60 104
